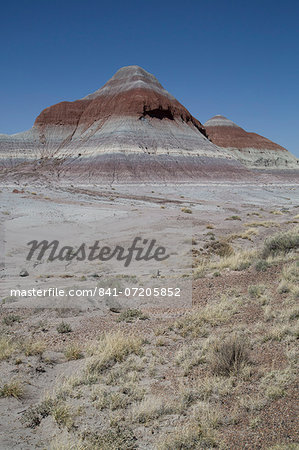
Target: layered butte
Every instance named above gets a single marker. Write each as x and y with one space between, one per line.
251 149
130 128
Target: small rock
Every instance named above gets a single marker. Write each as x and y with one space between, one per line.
24 273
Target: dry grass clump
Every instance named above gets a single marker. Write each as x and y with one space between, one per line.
125 372
284 287
252 403
112 400
113 348
229 356
282 332
275 383
64 327
187 210
294 446
221 248
62 415
290 273
114 438
237 261
277 212
188 436
10 319
248 234
33 348
129 315
281 243
189 356
35 414
73 351
149 409
212 314
233 218
215 387
12 389
261 265
7 347
199 433
256 290
265 224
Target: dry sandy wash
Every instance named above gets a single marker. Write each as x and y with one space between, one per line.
215 368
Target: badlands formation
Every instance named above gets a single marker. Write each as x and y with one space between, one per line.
251 149
131 128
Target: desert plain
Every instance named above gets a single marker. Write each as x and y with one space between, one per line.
216 368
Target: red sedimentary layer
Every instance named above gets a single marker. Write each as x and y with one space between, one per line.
236 137
64 113
134 102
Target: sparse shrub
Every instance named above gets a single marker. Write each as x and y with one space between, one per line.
35 414
243 265
64 327
233 218
256 290
12 389
129 315
187 210
284 287
276 382
112 400
229 355
281 243
11 319
118 437
262 266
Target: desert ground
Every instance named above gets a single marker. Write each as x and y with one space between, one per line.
215 368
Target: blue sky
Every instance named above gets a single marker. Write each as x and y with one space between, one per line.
236 58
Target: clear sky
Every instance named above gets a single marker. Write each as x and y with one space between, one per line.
236 58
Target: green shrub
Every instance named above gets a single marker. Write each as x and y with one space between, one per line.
261 266
10 319
129 315
281 243
233 218
64 327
